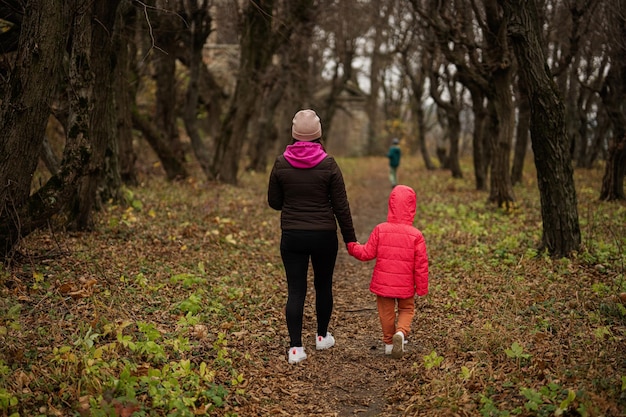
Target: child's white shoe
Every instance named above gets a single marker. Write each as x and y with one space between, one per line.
388 349
296 354
397 348
324 342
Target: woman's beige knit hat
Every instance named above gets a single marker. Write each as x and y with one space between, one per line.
306 126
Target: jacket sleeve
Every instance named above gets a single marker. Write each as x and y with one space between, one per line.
274 190
420 273
340 204
367 251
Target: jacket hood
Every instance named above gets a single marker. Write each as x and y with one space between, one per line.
304 154
402 205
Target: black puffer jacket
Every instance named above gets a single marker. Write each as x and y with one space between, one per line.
311 198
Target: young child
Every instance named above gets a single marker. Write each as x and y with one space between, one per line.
401 268
394 155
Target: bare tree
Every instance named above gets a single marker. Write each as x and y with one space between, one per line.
561 231
449 110
472 37
255 58
158 122
198 27
291 38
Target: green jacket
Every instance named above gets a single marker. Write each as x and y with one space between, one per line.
394 156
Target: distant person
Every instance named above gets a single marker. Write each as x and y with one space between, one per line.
394 155
401 268
307 185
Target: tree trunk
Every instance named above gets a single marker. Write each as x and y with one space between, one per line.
613 94
522 134
199 22
102 124
256 55
24 114
125 84
499 60
173 166
448 115
559 211
167 26
417 89
454 134
291 40
478 138
265 134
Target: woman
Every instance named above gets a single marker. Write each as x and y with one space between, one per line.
307 185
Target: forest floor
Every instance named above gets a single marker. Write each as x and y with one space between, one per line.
173 305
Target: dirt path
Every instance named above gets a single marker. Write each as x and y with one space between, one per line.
353 378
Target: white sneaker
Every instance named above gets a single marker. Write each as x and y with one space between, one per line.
324 342
397 348
388 349
296 354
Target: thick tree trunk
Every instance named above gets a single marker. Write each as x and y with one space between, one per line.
266 134
499 61
24 114
103 169
561 230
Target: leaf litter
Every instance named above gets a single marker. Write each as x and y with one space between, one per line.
185 283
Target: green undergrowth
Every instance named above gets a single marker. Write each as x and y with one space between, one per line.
169 305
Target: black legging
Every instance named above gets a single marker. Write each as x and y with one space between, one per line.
296 248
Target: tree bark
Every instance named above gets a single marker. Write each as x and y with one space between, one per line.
167 27
291 41
125 84
199 21
416 82
24 114
450 110
613 94
559 211
522 134
499 62
172 165
478 138
103 169
256 55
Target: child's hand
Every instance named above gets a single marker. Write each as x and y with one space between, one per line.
351 246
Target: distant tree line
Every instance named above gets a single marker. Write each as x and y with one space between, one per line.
119 74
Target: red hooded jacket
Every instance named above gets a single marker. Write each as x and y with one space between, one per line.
401 269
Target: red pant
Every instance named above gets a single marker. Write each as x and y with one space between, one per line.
387 314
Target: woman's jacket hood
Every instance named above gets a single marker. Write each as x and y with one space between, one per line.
304 154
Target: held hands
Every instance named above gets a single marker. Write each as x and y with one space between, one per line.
351 246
